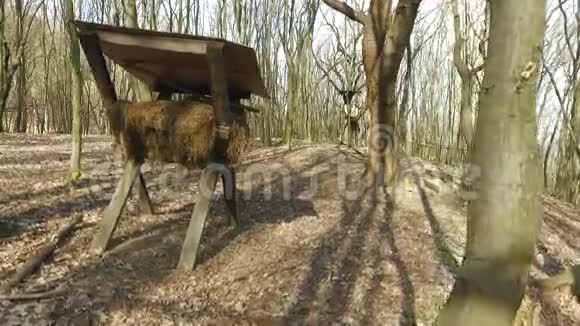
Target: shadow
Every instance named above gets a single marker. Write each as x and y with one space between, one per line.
342 259
28 139
324 258
145 256
352 151
137 273
255 208
267 154
443 251
559 220
33 157
17 220
135 240
408 316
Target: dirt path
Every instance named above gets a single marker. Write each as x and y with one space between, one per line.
314 247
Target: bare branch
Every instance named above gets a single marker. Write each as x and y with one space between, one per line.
326 72
348 11
565 117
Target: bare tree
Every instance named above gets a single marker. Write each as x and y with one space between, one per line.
467 75
142 92
342 70
385 39
77 88
13 56
296 35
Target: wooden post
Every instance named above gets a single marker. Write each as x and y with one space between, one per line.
219 93
229 184
200 211
94 54
143 198
113 211
224 119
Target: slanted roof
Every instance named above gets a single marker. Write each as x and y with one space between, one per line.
171 62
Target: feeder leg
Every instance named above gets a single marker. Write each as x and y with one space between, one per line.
145 205
229 183
113 211
196 224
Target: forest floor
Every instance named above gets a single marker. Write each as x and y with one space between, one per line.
313 247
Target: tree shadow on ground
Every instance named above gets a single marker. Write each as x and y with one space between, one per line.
408 301
562 222
34 195
148 255
444 253
32 157
341 260
21 219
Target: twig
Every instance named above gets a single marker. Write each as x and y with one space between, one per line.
58 291
41 255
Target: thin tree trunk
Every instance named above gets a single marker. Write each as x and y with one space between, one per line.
21 75
153 15
547 155
77 89
405 99
465 114
142 92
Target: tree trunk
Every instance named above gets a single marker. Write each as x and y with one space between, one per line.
465 114
180 18
75 66
503 221
405 99
21 75
291 101
7 78
152 15
4 62
383 48
142 92
21 118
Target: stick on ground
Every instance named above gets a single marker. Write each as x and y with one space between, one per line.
60 290
41 255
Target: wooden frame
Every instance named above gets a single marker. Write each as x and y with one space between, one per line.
168 61
94 37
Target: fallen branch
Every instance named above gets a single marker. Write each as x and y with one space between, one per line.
60 290
41 255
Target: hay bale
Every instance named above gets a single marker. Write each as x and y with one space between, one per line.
174 132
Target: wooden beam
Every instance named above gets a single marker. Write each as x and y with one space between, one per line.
229 184
94 55
200 211
113 211
155 42
145 205
219 90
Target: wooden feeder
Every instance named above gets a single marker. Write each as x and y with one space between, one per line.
218 72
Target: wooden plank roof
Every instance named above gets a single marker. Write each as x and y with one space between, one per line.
168 61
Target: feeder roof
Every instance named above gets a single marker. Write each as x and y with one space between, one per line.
171 62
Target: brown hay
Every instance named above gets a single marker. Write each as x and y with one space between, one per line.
175 132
